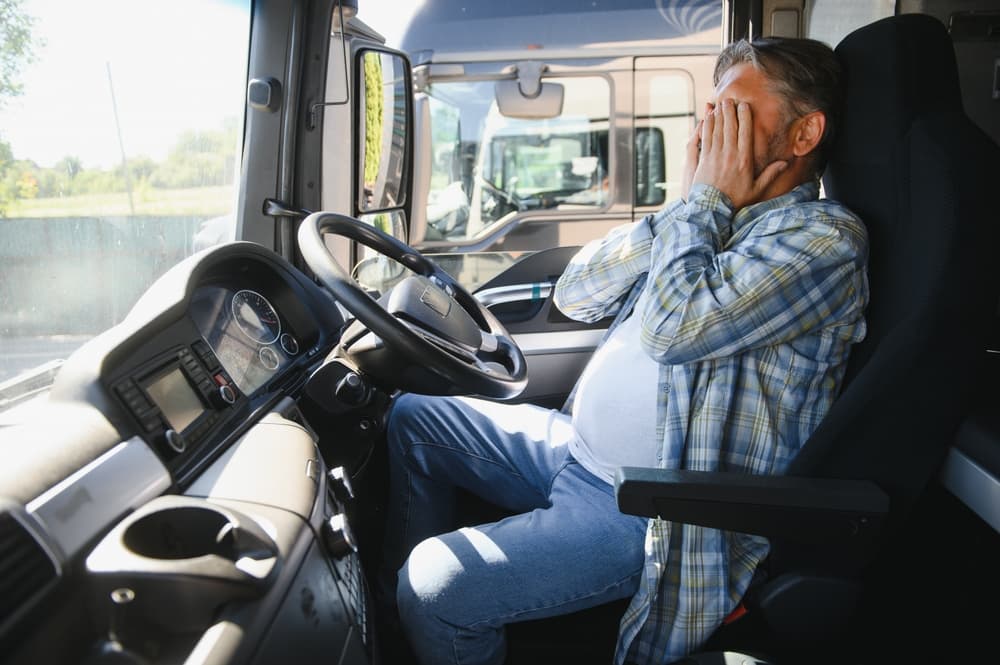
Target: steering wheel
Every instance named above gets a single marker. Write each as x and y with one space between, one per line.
502 195
427 334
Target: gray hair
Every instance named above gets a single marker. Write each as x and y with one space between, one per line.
805 73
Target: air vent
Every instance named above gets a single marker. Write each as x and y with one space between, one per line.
25 568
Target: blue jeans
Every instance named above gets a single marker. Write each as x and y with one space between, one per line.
568 548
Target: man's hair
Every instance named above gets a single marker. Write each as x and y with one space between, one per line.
805 73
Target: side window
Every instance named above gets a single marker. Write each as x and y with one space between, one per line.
119 156
486 167
830 21
664 119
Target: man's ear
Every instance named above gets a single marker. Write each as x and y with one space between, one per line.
807 133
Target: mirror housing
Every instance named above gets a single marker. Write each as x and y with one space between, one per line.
384 89
528 97
513 104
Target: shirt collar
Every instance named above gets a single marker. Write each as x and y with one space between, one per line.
807 191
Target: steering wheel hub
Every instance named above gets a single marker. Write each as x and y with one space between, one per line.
428 334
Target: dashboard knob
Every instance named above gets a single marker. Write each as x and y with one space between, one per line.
338 537
175 440
227 394
352 390
340 483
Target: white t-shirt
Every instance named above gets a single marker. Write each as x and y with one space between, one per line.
614 412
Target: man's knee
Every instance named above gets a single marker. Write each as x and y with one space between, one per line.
432 585
441 603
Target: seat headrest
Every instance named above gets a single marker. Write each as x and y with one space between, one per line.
896 69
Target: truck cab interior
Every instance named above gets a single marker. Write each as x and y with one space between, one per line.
202 480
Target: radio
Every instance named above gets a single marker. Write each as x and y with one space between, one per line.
179 397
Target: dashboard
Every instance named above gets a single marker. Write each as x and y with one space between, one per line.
245 331
172 469
248 328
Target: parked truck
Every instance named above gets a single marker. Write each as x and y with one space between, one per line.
543 126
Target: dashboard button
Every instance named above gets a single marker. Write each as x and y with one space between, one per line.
151 422
340 483
227 394
175 441
338 537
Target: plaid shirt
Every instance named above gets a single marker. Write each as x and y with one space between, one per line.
751 317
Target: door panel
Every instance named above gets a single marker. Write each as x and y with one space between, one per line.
555 347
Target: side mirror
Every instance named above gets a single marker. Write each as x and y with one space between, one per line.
384 135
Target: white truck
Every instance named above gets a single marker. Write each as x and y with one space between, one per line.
545 127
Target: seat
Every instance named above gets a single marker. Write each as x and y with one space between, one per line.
922 176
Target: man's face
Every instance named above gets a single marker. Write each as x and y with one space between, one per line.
743 83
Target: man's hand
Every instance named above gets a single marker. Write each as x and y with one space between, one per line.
726 160
691 156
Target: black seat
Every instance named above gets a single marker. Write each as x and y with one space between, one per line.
923 178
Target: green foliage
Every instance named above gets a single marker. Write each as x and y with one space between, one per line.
16 49
373 116
198 159
71 166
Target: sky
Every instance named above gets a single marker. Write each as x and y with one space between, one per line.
388 17
176 74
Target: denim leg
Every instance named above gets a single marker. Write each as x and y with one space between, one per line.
506 454
458 590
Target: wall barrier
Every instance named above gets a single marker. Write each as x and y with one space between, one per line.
81 275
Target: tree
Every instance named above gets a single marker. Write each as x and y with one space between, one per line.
199 159
16 48
69 165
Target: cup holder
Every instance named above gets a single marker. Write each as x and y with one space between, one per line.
181 533
180 559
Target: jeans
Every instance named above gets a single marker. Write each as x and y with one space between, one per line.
567 548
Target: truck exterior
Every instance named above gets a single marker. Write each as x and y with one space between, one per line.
553 125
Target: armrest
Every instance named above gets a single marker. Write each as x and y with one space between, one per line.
806 510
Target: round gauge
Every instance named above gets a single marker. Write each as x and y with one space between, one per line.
255 317
289 344
268 357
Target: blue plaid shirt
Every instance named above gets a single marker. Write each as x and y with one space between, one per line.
751 317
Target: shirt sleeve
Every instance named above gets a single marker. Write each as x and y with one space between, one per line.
799 269
603 271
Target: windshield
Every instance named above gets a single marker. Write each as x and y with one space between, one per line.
120 129
486 167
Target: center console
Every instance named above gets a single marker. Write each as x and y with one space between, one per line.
178 397
255 563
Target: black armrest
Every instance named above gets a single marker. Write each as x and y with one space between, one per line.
805 510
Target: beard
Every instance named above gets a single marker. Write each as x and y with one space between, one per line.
777 147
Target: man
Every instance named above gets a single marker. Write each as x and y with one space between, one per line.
736 307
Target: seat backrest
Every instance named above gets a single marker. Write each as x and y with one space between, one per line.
924 179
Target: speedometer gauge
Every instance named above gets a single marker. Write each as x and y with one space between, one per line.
256 317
